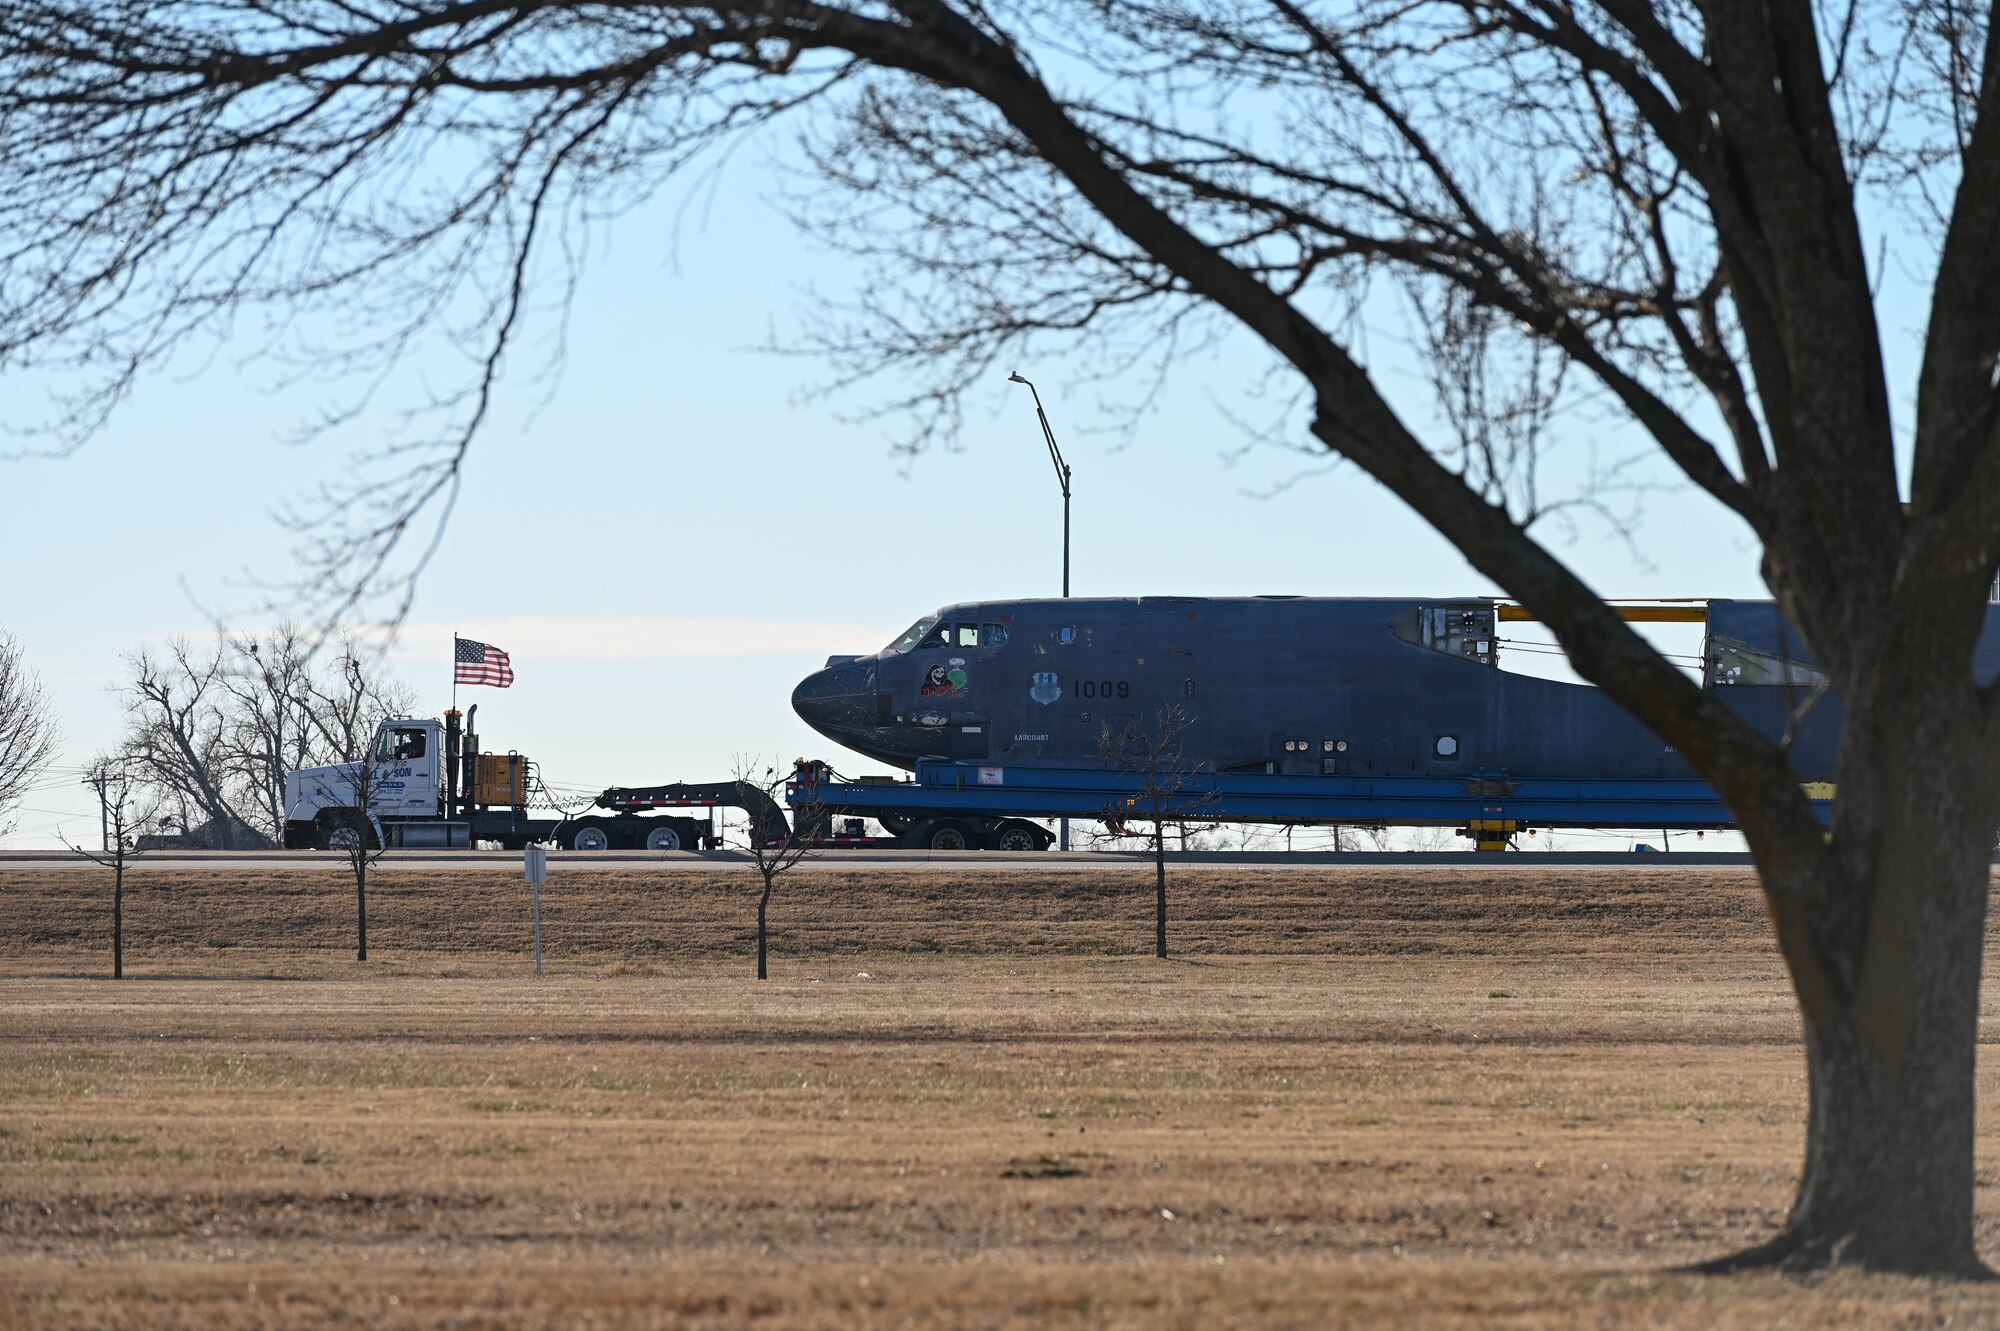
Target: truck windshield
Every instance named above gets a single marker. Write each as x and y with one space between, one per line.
913 635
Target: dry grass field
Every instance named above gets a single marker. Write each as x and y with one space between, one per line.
1358 1097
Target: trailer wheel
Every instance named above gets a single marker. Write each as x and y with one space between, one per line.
950 836
893 825
663 838
590 835
1019 836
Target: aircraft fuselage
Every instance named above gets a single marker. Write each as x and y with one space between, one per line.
1292 685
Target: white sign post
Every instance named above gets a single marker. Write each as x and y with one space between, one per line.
535 870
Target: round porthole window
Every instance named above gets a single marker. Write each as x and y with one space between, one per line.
1447 746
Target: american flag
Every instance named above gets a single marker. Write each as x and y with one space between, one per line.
479 663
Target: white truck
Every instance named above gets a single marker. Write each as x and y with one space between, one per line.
425 783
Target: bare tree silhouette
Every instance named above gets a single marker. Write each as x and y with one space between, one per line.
776 844
212 730
117 800
28 731
358 838
1170 792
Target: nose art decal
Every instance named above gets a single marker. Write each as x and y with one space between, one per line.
946 681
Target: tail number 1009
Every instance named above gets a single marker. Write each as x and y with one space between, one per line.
1101 688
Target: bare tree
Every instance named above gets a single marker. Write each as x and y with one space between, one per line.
266 691
359 839
178 747
775 843
1432 840
1168 794
28 733
212 731
344 703
297 702
117 801
1660 209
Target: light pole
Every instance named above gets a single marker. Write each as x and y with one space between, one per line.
1062 469
1062 479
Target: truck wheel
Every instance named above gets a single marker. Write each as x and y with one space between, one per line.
949 836
893 825
1019 836
590 835
334 831
663 838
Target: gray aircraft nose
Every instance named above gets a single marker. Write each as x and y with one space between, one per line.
838 701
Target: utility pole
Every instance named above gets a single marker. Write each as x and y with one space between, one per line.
1062 479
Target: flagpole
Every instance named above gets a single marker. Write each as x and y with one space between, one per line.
454 670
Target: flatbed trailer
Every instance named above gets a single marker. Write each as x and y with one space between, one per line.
1490 807
425 783
838 829
944 805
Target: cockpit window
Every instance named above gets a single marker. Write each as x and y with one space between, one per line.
912 635
936 634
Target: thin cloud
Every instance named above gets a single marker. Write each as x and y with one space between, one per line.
643 639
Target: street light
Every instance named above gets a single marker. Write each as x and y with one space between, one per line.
1062 468
1062 479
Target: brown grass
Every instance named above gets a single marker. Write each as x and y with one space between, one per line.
224 921
1362 1098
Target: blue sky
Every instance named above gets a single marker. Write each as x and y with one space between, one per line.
671 536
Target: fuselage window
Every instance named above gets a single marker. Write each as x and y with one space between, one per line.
940 636
911 636
992 635
965 635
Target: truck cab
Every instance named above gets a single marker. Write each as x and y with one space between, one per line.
406 759
401 776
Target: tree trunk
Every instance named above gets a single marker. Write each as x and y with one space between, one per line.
361 909
1888 1177
763 934
1159 890
118 921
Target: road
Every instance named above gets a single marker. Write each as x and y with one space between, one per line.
906 860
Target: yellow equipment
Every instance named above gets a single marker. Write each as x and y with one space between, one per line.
1490 833
1631 614
501 779
1695 613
